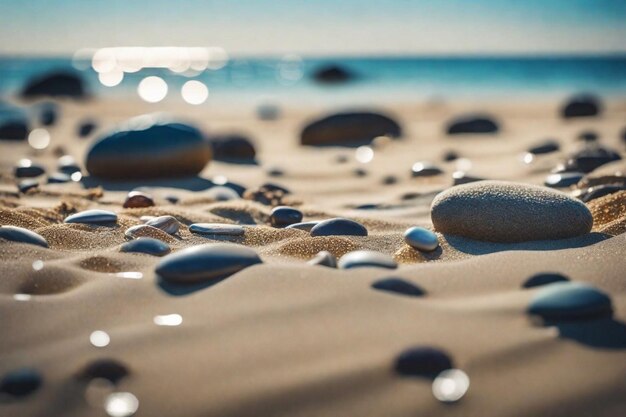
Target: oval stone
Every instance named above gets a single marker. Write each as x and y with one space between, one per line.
92 217
398 286
338 227
423 361
27 185
168 224
306 226
545 278
472 124
146 245
366 258
421 239
501 211
324 258
137 199
206 262
21 382
425 169
21 235
218 229
570 300
148 148
282 216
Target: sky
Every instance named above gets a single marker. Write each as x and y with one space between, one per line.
318 27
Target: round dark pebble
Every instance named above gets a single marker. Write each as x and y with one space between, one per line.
425 169
588 136
590 158
21 382
450 156
545 147
108 369
67 165
424 361
146 245
398 286
338 227
282 216
25 168
85 128
137 199
570 300
545 278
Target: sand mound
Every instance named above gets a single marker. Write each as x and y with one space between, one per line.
608 210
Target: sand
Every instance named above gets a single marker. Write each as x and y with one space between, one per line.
287 338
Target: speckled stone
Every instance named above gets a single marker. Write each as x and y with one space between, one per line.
425 361
545 147
282 216
544 278
599 191
461 177
421 239
570 300
306 226
27 185
366 258
92 217
21 382
219 229
137 199
338 227
324 258
21 235
207 262
222 193
168 224
501 211
146 245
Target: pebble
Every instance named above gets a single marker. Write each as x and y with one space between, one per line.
588 136
324 258
168 224
222 193
219 229
581 106
590 158
137 199
501 211
14 122
146 245
389 179
21 235
462 177
233 148
425 169
545 278
545 147
570 300
67 165
566 179
450 156
109 369
421 239
598 191
206 262
282 216
25 168
147 147
424 361
58 178
306 226
472 124
27 185
21 382
398 286
338 227
92 217
349 129
366 258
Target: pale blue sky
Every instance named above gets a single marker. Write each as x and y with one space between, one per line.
319 27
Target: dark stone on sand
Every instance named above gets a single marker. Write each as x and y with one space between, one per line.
425 169
306 226
27 169
545 147
590 158
168 224
109 369
472 124
21 235
563 180
207 262
27 185
58 178
283 216
422 361
146 245
545 278
461 177
366 258
48 113
268 194
21 382
331 74
570 300
85 128
55 84
92 217
268 111
14 123
349 129
235 149
324 258
67 165
600 191
137 199
360 172
421 239
499 211
398 286
144 149
588 136
338 227
389 179
581 106
450 156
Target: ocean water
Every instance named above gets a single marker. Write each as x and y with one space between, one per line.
258 80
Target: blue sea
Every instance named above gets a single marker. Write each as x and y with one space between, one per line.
377 79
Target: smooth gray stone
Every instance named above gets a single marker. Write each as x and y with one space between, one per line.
421 239
398 286
366 258
422 361
92 217
206 262
27 184
282 216
25 168
338 227
138 199
306 226
349 129
146 245
21 235
570 300
324 258
220 229
168 224
499 211
20 382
